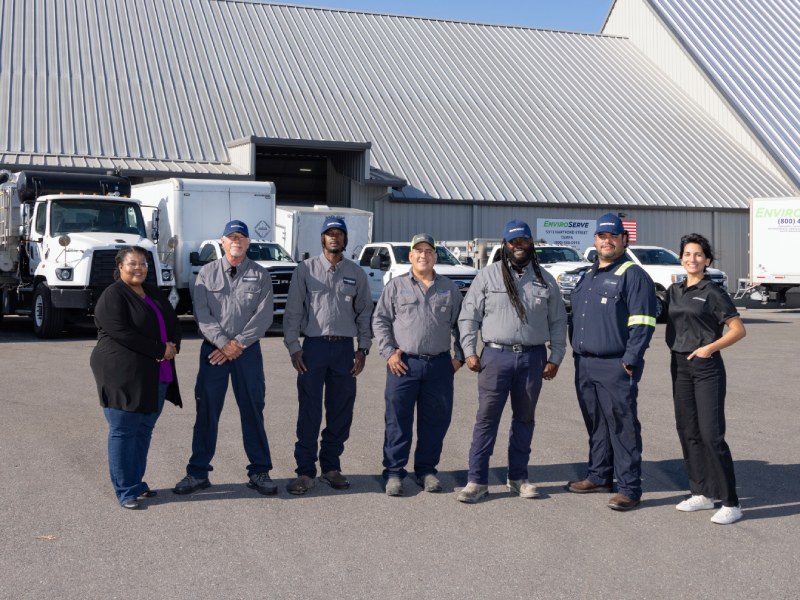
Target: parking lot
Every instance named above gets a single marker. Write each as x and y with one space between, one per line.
64 536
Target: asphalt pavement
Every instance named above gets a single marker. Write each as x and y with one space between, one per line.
64 536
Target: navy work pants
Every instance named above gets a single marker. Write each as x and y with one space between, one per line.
502 373
428 386
698 392
247 376
328 365
608 400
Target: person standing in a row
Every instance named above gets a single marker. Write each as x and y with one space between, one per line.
413 322
518 308
613 319
233 308
329 302
698 311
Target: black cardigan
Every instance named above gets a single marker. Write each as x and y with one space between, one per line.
125 360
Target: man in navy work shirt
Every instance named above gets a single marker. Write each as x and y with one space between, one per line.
518 308
413 322
330 304
233 308
613 319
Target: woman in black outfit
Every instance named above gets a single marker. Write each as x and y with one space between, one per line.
697 312
138 337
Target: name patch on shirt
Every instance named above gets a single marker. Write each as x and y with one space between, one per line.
349 280
250 278
698 298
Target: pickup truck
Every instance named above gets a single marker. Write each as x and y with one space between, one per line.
383 260
269 255
556 259
662 264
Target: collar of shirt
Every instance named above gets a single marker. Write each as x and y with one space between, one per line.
697 286
420 282
329 266
613 265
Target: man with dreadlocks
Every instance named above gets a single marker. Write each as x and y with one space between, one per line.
518 308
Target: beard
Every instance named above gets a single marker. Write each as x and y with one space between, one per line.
520 262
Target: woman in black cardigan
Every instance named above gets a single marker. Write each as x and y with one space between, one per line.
133 364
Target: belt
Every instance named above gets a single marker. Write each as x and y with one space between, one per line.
425 357
334 338
510 348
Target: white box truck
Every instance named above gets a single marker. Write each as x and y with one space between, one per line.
59 235
297 228
193 210
774 247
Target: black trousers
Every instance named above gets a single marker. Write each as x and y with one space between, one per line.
698 391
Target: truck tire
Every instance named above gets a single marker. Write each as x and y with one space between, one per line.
661 314
48 321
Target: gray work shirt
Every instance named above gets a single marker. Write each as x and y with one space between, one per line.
487 307
418 320
322 301
240 308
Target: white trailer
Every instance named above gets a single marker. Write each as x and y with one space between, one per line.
193 210
774 247
297 228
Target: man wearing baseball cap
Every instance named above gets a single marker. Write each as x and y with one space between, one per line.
329 303
517 306
233 308
613 319
413 323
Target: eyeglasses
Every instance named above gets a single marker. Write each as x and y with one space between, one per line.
426 251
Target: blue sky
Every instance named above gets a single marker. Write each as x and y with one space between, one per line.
570 15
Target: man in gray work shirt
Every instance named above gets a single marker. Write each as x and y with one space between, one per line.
413 322
518 308
330 304
233 308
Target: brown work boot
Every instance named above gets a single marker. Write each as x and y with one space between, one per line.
300 485
335 479
584 486
622 502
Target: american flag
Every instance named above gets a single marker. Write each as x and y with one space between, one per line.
630 227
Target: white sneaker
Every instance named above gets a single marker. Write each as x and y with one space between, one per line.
695 503
523 487
727 515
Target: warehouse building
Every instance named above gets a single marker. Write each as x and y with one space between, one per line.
447 126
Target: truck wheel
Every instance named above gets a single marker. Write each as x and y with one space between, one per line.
48 321
661 314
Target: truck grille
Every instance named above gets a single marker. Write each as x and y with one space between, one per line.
462 282
103 266
281 277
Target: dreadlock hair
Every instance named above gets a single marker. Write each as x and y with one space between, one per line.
510 281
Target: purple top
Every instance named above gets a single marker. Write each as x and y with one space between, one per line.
166 368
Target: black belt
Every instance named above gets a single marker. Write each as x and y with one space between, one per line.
334 338
510 348
425 357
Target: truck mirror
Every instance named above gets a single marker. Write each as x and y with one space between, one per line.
467 260
375 262
194 259
306 255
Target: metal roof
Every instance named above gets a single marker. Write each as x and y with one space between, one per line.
459 110
751 50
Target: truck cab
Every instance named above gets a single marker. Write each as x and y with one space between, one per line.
384 260
270 255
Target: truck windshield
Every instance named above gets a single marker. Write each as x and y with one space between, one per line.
72 216
655 256
268 252
443 256
554 255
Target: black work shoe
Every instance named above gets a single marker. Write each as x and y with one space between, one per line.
301 485
335 479
262 483
190 484
131 504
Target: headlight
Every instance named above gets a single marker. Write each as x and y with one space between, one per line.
64 274
166 274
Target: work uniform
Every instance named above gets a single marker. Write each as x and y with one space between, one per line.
696 317
231 305
512 361
330 305
419 322
613 319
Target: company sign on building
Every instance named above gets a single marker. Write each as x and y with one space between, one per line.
574 233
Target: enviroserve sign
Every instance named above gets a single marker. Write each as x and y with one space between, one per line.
775 240
574 233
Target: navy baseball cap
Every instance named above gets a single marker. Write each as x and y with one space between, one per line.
333 222
236 227
609 223
421 238
517 229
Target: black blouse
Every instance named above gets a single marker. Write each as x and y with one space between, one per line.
696 315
